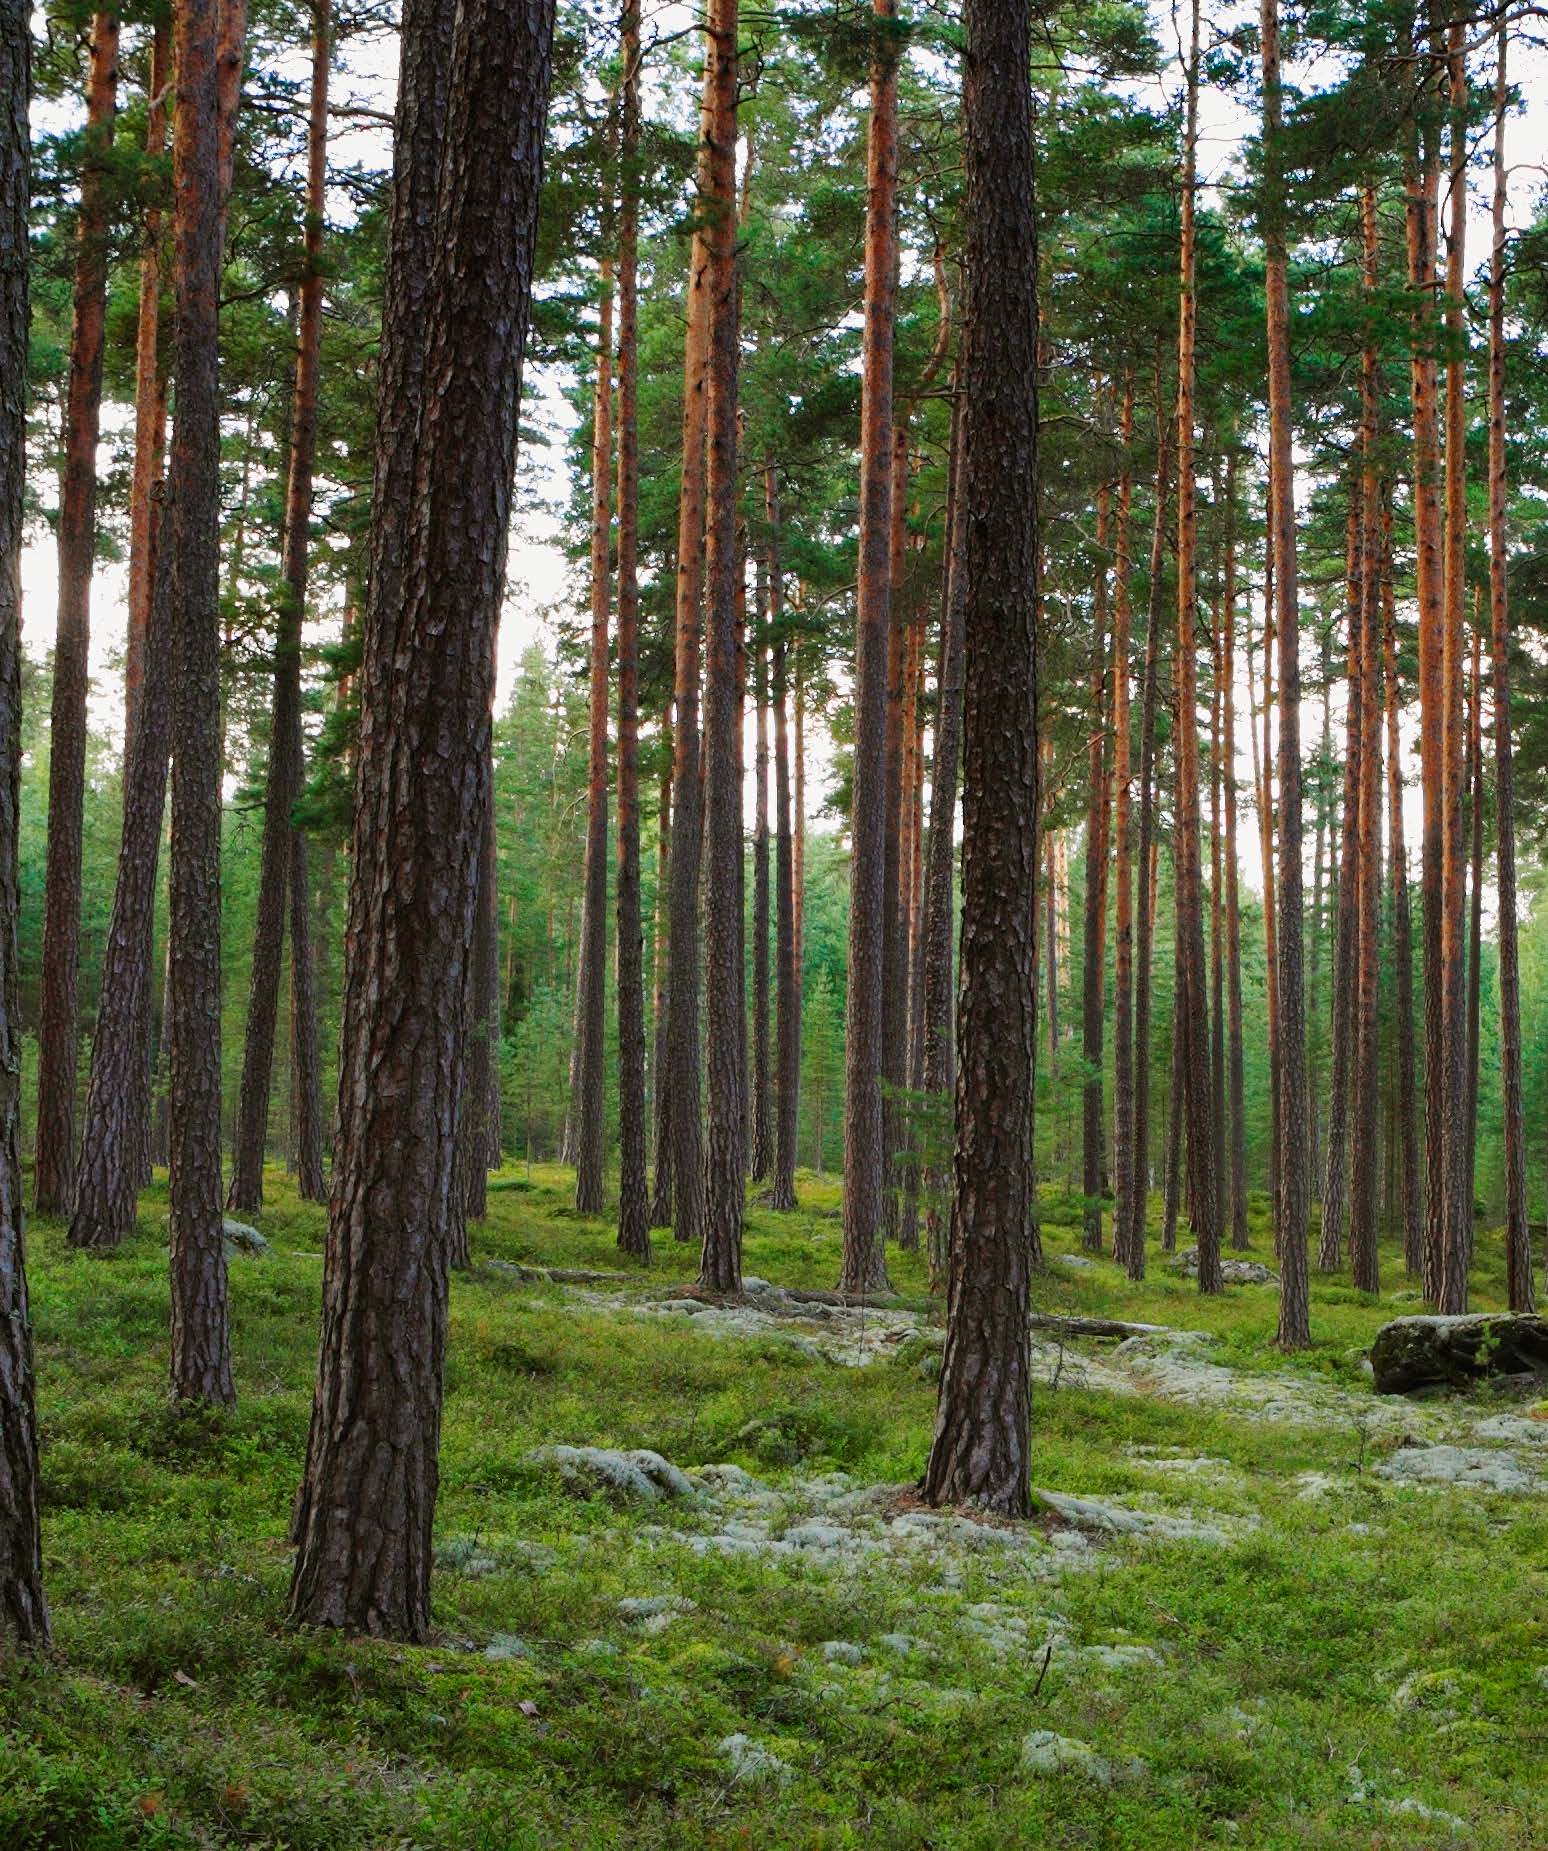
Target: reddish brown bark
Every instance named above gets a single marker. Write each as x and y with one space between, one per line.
23 1609
865 1158
787 972
1235 1079
1402 929
980 1453
660 1061
365 1510
58 1023
1123 870
633 1197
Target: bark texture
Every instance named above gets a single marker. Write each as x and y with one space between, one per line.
787 970
461 252
980 1452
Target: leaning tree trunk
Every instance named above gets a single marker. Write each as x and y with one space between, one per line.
58 1025
590 1011
633 1195
23 1610
282 871
454 324
980 1453
1518 1252
1292 1215
201 1343
787 1003
865 1179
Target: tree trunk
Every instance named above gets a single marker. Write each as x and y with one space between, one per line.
720 1267
761 1140
1294 1300
471 1187
633 1196
787 1026
1172 1202
1189 877
58 1025
1132 1234
454 328
660 1063
1123 870
1345 944
1402 931
980 1452
590 1094
1365 1104
1093 963
23 1609
683 1109
1518 1252
1217 931
283 862
201 1346
865 1178
1235 1082
1263 780
1456 1248
150 399
1475 783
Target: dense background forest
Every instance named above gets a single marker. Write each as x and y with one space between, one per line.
904 646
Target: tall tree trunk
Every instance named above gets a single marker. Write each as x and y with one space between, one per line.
939 1068
787 973
1475 781
367 1500
1456 1246
1346 946
1190 918
720 1267
23 1609
1366 1100
1235 1080
761 1139
1093 963
1123 870
590 1094
1402 930
58 1024
1263 781
150 398
980 1452
1133 1234
865 1158
283 861
1518 1252
1294 1302
683 1109
1217 934
201 1344
1175 1114
894 975
633 1196
661 1058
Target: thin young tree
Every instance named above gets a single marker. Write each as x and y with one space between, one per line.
1094 960
787 974
981 1450
590 1013
283 871
760 1149
1518 1252
633 1197
720 1260
58 1023
1292 1217
454 325
23 1609
865 1180
1123 868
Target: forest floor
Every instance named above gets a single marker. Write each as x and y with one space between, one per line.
1259 1606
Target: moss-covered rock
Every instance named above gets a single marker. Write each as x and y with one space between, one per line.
1453 1352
